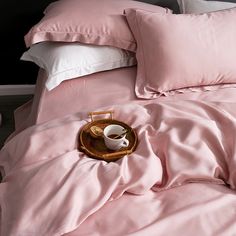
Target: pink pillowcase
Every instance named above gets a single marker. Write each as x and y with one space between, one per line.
182 51
99 22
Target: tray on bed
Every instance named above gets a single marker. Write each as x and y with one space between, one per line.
95 147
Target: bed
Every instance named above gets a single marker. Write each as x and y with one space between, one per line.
166 72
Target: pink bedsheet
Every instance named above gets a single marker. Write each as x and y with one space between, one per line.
93 92
77 95
83 94
180 181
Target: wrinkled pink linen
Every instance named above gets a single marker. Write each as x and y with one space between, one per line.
49 188
191 209
99 90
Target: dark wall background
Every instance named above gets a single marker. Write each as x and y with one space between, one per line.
16 18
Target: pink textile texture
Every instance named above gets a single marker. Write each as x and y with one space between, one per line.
183 50
107 88
50 188
95 22
192 209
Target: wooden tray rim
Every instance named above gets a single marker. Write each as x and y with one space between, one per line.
109 156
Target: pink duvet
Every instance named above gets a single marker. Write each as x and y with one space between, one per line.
179 181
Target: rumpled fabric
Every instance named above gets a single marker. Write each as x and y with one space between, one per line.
50 188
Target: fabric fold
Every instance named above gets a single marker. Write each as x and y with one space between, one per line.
50 188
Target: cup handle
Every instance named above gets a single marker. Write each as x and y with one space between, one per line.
125 143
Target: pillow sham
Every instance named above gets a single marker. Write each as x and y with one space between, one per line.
202 6
183 51
94 22
63 61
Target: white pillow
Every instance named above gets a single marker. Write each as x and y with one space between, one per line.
63 61
202 6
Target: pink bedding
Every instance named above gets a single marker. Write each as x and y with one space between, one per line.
93 92
82 95
182 173
179 181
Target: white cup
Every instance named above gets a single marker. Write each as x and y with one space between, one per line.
115 143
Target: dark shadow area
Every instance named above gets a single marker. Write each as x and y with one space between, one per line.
16 18
7 106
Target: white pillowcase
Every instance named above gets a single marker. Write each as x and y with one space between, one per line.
63 61
202 6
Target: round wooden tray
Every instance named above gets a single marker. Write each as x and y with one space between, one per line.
95 146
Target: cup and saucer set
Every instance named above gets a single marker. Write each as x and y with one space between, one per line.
107 139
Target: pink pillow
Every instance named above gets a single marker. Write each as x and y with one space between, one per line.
99 22
182 51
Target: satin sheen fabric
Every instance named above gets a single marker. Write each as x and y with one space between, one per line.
96 91
183 50
49 188
95 22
